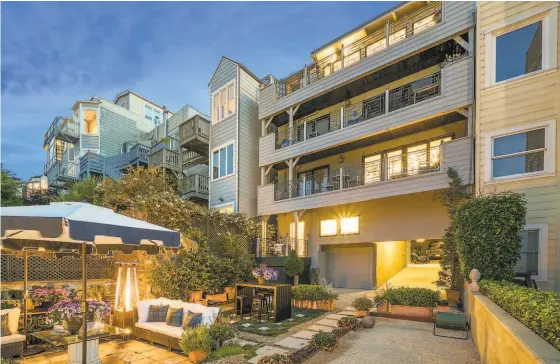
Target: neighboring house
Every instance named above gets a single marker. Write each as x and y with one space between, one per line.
517 115
354 147
141 106
234 138
35 184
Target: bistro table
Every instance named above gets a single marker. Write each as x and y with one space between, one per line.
63 338
282 298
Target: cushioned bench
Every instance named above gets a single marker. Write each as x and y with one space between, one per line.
12 345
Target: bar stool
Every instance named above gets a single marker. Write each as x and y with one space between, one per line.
240 305
258 306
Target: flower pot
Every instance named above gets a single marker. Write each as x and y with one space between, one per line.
362 313
74 324
260 280
384 308
197 356
452 296
423 312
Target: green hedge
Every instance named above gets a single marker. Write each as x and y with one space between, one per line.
313 292
408 296
538 310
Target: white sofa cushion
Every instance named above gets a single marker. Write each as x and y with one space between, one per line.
13 318
14 338
161 328
209 314
144 306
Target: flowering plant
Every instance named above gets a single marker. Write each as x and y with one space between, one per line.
67 309
265 272
41 295
101 309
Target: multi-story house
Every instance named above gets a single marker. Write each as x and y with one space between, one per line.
35 184
354 147
517 115
234 153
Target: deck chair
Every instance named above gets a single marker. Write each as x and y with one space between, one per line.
452 321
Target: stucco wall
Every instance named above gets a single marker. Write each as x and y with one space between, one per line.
391 259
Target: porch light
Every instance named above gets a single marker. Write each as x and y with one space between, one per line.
127 287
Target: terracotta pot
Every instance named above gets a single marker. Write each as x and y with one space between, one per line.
452 297
260 280
197 356
362 313
411 311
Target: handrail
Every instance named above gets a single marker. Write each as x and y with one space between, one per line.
197 183
280 247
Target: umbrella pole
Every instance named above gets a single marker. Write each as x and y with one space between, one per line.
25 273
84 302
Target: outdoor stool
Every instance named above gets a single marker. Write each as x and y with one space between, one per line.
258 305
452 321
240 305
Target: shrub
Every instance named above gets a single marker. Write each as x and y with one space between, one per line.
325 341
487 231
248 352
196 339
275 359
313 292
348 322
409 296
293 264
222 331
362 304
538 310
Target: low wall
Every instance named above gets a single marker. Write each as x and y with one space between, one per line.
500 338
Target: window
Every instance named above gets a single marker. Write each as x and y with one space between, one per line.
435 150
394 164
329 227
226 208
350 225
351 59
416 158
148 112
397 36
337 66
152 113
515 153
157 117
90 122
521 47
376 47
372 168
223 103
327 70
222 162
533 251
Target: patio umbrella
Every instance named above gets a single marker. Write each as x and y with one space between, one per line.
83 227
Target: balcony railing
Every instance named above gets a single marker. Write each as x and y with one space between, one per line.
65 129
280 247
164 158
194 183
194 127
390 167
389 101
393 33
59 171
192 158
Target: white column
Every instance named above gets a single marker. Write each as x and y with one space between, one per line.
304 130
263 127
263 175
342 117
342 57
290 163
341 173
386 101
291 124
296 223
387 30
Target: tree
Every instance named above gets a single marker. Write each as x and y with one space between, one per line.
293 266
450 274
11 190
85 190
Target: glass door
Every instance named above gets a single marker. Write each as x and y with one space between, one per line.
394 164
416 159
372 168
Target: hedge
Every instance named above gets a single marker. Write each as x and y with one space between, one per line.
409 296
313 292
538 310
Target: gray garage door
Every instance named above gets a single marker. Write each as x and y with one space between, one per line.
350 267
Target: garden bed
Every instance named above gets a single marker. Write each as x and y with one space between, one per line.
271 328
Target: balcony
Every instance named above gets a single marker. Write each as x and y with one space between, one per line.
137 155
194 134
282 246
59 172
194 186
165 158
93 164
64 129
390 175
191 158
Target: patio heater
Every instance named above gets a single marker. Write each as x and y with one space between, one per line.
126 294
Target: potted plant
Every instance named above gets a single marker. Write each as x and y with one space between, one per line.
45 297
221 331
263 273
196 343
362 306
413 302
69 312
293 266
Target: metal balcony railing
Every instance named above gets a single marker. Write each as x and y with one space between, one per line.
280 247
388 167
194 183
409 25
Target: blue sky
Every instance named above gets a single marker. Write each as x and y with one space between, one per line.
56 53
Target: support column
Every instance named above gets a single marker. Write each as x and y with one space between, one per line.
290 163
296 232
261 250
291 124
470 121
263 175
387 30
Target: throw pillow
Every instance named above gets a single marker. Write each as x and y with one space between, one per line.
157 313
5 330
174 317
191 320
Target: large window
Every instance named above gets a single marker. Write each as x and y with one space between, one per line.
533 252
350 225
222 162
329 227
90 122
521 153
223 103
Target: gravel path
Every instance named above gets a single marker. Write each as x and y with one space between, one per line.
398 342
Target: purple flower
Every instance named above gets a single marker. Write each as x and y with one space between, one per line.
265 272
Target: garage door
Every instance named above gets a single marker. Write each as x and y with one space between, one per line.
350 267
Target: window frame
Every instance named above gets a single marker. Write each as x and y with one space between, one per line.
321 230
226 204
549 151
543 250
223 146
85 123
549 18
226 88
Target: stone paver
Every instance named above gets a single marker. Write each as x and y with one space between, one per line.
327 322
304 334
320 328
242 342
348 313
264 351
334 316
292 343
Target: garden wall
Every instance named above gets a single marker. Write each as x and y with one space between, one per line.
278 264
499 338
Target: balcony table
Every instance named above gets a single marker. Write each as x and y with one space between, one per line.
282 297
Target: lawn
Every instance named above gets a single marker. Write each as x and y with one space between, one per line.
271 328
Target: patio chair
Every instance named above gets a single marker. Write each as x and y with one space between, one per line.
451 321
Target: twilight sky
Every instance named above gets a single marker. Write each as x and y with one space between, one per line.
56 53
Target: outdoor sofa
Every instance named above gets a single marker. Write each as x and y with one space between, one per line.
12 345
160 332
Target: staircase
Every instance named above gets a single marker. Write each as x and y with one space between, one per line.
93 163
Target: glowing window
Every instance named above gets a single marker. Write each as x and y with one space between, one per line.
424 24
328 227
90 121
350 225
223 103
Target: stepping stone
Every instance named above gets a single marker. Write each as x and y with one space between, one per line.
290 319
348 313
300 315
334 316
327 322
247 325
278 324
304 334
292 343
264 328
264 351
245 342
320 328
350 308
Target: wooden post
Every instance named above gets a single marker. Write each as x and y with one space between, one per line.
341 173
296 223
291 124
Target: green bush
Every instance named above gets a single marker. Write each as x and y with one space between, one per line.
222 331
348 322
362 304
196 339
409 296
325 341
293 264
538 310
248 352
487 231
275 359
313 292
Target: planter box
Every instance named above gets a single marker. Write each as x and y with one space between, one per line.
384 308
423 312
315 305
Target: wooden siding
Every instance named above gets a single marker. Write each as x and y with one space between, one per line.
115 129
457 92
522 102
457 18
249 132
456 154
222 133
